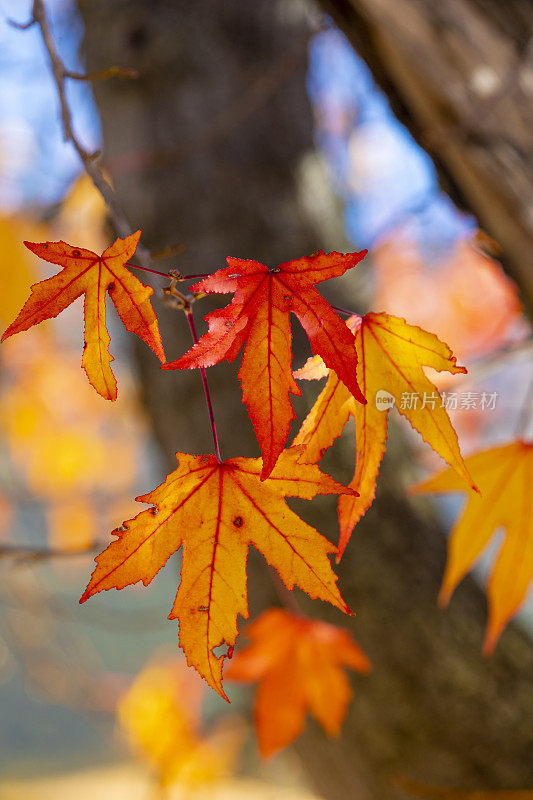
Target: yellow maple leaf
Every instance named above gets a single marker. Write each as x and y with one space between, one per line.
216 511
391 356
505 478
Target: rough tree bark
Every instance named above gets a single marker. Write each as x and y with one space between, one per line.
204 150
459 74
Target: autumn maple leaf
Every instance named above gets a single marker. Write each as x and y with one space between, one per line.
298 663
505 479
391 355
85 272
258 317
216 511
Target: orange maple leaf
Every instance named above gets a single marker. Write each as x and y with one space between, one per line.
505 477
84 272
298 663
258 317
216 511
391 355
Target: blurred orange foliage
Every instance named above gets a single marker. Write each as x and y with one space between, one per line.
466 299
298 664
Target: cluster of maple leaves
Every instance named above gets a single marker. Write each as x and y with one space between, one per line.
216 509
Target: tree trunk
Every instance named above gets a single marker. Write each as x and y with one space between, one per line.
459 75
204 149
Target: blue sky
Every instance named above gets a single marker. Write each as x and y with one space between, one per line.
382 175
36 165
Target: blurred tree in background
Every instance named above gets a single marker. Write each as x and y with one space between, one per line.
212 148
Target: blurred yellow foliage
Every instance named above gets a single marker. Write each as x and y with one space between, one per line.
82 217
160 715
16 265
78 454
60 433
72 525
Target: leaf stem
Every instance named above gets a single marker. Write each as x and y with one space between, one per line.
147 269
198 275
344 311
190 320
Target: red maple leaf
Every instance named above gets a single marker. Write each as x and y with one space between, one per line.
258 317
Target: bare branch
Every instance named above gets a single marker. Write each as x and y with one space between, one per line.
60 75
170 250
103 74
25 554
21 26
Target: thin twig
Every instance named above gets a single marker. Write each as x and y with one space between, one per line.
24 554
181 277
169 250
340 310
22 26
190 320
103 74
60 75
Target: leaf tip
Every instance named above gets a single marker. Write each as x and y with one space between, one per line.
224 696
267 469
110 394
444 597
85 596
489 643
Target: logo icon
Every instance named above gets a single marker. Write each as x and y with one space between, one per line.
383 400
